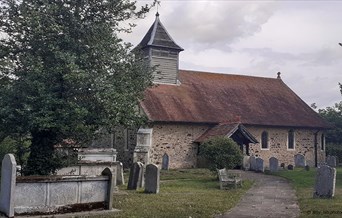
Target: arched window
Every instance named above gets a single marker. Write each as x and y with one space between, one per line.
290 139
322 142
264 140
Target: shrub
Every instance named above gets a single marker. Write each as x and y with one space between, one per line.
221 152
334 150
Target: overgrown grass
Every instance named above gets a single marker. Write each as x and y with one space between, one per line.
303 182
183 193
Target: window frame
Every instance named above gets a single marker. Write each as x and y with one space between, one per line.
322 142
293 140
263 140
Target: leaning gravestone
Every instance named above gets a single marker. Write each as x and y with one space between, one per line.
252 163
165 162
8 180
259 165
246 164
152 179
325 182
299 160
134 176
273 164
331 161
120 180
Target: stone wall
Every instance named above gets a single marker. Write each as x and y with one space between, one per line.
177 142
277 138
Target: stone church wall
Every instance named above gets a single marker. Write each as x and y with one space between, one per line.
277 138
177 142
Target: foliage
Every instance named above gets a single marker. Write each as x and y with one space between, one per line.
334 116
221 152
334 150
191 192
304 181
65 73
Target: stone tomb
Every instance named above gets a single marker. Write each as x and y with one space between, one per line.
331 161
135 176
299 160
252 163
325 182
259 164
152 179
274 164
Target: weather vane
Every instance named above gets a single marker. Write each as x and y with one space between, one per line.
158 5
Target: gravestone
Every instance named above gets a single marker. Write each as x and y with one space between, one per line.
141 180
246 164
331 161
8 180
259 165
299 160
273 164
252 161
152 179
120 180
290 167
325 182
165 162
134 176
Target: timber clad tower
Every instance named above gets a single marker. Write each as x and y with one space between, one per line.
162 52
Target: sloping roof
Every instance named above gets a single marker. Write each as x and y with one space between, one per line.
215 98
157 36
227 129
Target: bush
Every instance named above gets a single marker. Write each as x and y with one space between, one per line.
221 152
334 150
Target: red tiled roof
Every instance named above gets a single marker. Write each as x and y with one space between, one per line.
215 98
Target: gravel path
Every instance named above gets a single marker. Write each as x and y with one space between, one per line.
270 196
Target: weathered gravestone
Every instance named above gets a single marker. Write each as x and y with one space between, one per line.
152 179
259 164
135 176
299 160
325 182
331 161
246 164
252 163
120 180
141 180
165 162
8 180
274 163
290 167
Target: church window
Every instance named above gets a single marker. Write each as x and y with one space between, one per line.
322 142
291 139
264 140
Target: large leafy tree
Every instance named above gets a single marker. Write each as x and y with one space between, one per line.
65 73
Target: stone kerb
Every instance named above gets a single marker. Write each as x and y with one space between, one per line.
325 182
259 164
252 161
152 179
299 160
135 176
274 164
8 180
331 161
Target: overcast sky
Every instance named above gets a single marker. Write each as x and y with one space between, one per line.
258 38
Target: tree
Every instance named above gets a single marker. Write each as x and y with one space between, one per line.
65 73
221 152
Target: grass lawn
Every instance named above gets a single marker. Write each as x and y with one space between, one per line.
183 193
304 182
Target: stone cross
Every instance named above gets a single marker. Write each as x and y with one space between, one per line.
259 164
253 163
152 179
274 164
331 161
134 176
165 162
325 182
8 180
299 160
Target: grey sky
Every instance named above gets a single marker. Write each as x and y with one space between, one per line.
259 38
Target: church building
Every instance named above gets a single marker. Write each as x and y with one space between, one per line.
184 108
